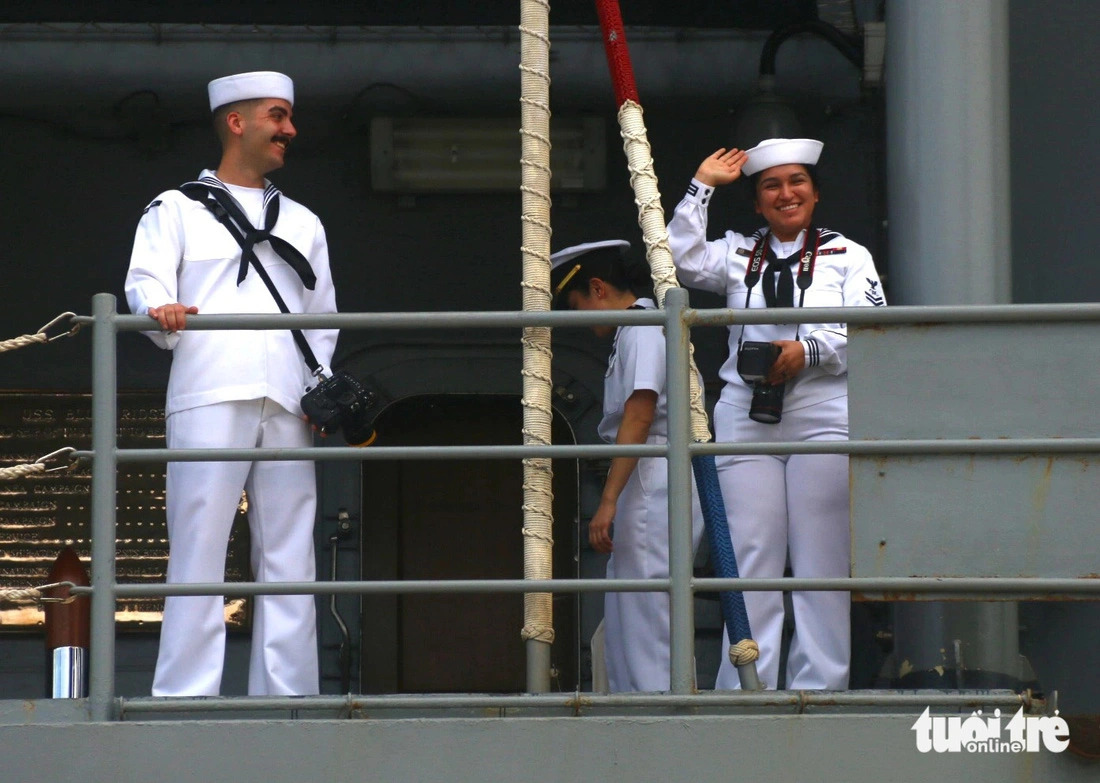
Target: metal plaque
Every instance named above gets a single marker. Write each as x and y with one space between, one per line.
43 513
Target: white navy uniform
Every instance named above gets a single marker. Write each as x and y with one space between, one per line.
636 625
785 503
235 389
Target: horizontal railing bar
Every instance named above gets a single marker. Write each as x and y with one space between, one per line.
385 587
905 596
907 448
596 451
711 317
1036 586
374 453
912 585
579 701
861 316
505 319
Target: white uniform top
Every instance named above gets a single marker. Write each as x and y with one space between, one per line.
844 276
183 254
637 362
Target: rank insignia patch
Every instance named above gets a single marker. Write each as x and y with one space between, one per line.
874 296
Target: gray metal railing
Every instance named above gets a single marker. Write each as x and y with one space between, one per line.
678 320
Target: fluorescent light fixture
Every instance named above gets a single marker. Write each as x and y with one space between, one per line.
479 155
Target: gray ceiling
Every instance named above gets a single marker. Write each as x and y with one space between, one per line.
742 14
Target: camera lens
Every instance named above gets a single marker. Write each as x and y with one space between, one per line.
359 433
767 403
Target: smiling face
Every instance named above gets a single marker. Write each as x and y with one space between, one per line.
266 131
786 196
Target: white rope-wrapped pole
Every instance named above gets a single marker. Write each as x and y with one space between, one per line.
538 519
651 219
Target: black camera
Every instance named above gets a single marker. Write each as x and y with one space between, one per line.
343 403
754 361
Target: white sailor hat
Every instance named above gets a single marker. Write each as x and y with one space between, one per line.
560 274
780 152
246 86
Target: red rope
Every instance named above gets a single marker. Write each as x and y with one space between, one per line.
618 55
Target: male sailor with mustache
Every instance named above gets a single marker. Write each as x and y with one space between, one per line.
237 389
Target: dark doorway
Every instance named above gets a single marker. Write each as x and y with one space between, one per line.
445 519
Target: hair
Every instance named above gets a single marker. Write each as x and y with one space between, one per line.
222 112
754 179
608 264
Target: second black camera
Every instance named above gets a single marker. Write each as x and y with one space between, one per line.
343 403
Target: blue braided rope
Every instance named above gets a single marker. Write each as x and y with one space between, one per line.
721 548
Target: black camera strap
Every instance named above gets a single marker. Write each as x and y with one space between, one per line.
226 211
806 262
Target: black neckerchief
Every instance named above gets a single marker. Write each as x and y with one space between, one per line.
212 193
784 297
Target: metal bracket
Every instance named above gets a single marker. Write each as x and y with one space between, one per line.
45 329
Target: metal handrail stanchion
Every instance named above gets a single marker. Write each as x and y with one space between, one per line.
681 599
101 690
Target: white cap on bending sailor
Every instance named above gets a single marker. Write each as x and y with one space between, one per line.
780 152
560 277
248 86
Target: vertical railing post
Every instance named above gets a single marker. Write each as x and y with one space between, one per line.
104 467
681 599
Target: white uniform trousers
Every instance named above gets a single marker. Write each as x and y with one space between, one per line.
799 504
636 625
202 499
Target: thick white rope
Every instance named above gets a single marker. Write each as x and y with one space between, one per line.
12 473
651 218
21 471
538 496
36 594
17 595
23 341
40 337
41 465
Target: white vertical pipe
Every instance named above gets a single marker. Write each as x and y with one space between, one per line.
949 209
947 134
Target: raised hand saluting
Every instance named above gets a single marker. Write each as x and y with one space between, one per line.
721 168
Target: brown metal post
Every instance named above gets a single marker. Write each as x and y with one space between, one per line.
68 630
